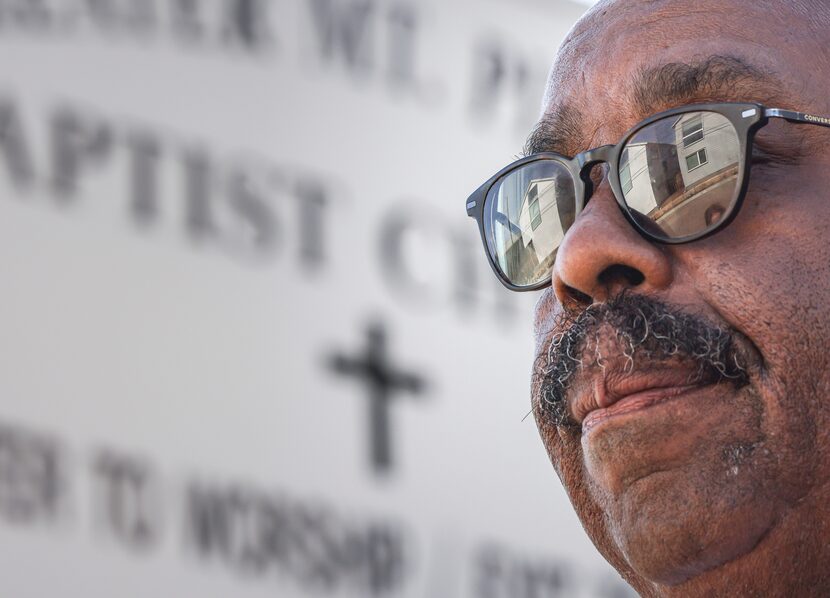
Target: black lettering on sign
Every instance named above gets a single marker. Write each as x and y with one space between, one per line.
312 201
34 15
127 500
143 150
219 202
246 207
504 83
198 194
13 145
414 254
429 264
223 24
489 77
402 40
233 526
345 32
246 24
33 477
187 22
500 574
104 13
229 204
140 18
254 533
79 142
253 230
369 39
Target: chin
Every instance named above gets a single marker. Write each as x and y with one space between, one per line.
685 487
669 532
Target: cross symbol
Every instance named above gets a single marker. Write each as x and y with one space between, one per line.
373 368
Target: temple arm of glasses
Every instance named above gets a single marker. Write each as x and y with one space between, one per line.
797 117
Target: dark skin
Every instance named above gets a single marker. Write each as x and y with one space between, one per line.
664 493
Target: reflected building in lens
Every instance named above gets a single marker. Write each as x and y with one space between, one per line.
538 206
540 223
527 243
534 205
681 172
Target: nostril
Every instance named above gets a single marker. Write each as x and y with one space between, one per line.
576 296
621 275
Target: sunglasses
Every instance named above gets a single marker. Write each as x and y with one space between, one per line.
678 176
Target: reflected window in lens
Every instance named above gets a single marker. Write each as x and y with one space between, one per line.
696 159
692 130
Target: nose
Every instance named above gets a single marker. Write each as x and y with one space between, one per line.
602 255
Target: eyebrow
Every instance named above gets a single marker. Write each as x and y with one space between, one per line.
557 131
717 78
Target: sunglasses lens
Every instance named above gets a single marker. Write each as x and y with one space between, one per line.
679 175
525 218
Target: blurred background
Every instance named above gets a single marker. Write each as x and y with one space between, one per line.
250 343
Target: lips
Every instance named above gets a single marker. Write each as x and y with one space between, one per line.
618 392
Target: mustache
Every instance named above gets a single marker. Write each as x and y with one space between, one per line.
631 328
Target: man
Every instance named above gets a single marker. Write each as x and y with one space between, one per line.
681 386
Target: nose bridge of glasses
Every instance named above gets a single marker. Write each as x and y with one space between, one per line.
594 156
586 162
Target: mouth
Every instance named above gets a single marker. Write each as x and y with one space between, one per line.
637 401
618 394
635 351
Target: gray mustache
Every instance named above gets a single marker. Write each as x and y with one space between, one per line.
643 332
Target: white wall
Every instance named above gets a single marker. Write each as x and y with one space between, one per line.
198 212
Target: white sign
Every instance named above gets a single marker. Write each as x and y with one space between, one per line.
250 345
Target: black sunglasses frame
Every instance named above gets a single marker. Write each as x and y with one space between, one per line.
746 118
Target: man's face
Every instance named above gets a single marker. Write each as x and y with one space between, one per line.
702 483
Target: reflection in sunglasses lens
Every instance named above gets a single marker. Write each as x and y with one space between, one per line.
527 213
679 175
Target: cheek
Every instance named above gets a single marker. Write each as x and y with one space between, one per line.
768 273
768 276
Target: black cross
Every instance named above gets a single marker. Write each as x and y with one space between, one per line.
383 380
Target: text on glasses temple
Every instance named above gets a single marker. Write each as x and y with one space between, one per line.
797 117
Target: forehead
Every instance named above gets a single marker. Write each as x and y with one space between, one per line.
628 59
